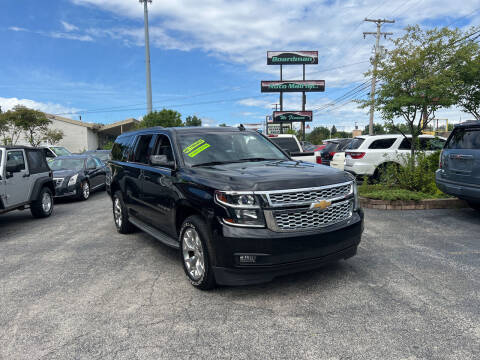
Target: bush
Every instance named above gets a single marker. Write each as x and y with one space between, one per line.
417 175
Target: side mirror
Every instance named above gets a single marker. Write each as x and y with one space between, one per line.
161 160
12 168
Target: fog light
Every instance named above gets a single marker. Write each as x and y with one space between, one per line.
247 259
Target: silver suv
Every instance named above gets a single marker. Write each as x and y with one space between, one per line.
25 181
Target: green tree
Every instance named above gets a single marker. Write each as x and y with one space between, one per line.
53 136
378 129
333 130
468 88
32 123
193 121
318 134
417 78
223 125
164 118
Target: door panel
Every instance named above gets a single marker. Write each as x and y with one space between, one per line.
18 185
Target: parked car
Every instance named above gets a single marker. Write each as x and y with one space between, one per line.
54 151
459 167
103 155
338 159
239 209
290 144
25 181
78 175
332 147
368 155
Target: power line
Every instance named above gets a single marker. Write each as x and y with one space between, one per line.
348 94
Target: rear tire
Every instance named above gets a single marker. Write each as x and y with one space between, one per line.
120 215
43 206
194 253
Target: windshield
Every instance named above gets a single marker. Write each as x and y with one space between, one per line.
286 143
60 151
67 164
226 147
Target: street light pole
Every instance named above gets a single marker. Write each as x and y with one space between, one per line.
147 55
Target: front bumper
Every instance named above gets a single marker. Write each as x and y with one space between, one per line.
280 253
65 191
469 192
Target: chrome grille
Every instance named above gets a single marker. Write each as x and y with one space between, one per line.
308 196
311 219
58 182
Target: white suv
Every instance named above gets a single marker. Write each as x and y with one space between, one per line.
366 155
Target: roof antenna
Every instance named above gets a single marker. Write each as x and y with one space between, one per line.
241 127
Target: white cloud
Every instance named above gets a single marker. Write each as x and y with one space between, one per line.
51 108
207 122
69 36
68 27
16 28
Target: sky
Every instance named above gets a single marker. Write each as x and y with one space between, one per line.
87 57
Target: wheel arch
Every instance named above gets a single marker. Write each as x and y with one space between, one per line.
39 185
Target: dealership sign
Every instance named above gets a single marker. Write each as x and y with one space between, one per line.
292 57
292 116
293 86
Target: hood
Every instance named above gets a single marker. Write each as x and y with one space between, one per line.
265 176
64 173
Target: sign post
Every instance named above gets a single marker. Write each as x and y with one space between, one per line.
292 58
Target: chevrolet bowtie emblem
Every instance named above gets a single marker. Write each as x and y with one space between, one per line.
322 204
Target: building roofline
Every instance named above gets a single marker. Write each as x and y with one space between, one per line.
74 122
119 123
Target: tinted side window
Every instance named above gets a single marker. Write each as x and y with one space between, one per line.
382 143
37 162
406 144
121 148
163 147
16 158
91 164
464 139
141 150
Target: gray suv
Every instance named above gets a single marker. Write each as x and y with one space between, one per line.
459 172
25 181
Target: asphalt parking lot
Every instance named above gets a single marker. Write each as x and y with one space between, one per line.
71 287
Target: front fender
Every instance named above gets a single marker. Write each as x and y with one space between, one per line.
39 184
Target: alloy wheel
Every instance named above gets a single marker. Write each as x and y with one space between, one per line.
117 212
46 202
86 190
193 255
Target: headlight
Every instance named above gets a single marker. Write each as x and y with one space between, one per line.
73 180
243 209
356 203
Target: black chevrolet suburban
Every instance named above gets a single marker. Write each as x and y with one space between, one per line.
237 207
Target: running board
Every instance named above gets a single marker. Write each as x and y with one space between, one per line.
157 234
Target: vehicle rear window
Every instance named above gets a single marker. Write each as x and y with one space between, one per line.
462 138
343 145
37 162
331 147
355 144
287 143
382 143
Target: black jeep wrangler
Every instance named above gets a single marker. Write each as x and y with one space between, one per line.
237 207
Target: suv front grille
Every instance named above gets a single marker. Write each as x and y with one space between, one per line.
58 182
312 219
310 195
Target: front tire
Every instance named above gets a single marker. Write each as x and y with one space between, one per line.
43 206
194 253
120 215
84 190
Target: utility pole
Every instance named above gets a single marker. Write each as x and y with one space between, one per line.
147 55
379 23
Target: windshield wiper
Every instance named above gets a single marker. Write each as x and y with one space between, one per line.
215 163
260 159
